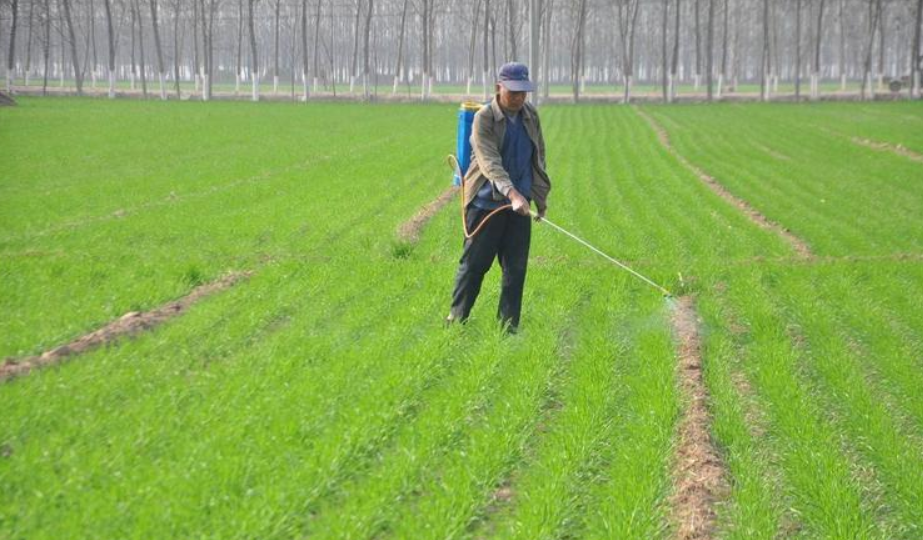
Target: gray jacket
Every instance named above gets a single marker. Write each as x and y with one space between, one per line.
486 163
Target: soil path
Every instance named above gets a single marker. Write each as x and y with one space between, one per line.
898 149
131 323
410 230
700 475
800 246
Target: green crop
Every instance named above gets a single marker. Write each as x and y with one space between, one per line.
322 397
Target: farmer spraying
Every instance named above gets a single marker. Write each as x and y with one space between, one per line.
506 174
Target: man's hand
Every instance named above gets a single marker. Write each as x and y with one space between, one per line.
520 204
540 215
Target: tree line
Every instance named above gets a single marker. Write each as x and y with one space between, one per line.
410 45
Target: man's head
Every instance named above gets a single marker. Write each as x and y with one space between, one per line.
512 84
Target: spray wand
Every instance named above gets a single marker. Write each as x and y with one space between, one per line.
453 162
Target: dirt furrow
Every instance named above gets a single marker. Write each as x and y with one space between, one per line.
800 246
699 472
409 231
131 323
898 149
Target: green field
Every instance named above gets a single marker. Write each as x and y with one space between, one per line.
322 397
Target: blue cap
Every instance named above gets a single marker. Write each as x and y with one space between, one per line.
515 77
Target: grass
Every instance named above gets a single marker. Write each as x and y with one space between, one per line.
322 397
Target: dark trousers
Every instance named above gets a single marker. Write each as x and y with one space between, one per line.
506 236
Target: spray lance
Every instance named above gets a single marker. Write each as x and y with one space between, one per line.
458 164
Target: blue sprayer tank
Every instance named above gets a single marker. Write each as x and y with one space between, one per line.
463 143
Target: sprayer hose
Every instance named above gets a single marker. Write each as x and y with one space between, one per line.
453 162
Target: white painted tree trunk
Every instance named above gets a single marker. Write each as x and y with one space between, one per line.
111 84
468 87
237 83
397 82
720 86
881 81
275 84
163 87
205 91
671 88
627 96
815 86
842 82
484 82
9 81
696 80
28 74
256 88
316 84
352 83
304 83
915 86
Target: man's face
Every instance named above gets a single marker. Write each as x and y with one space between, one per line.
509 100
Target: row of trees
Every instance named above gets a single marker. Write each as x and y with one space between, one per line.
317 44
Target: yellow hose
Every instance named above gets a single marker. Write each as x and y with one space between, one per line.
453 162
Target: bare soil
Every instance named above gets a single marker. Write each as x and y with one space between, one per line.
128 324
800 246
409 231
898 149
700 475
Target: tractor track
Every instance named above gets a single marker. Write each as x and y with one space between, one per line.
755 216
898 149
699 472
130 324
409 231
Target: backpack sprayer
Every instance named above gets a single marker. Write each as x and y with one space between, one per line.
465 120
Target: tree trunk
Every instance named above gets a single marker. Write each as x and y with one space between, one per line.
867 92
881 45
512 17
275 51
240 45
710 52
157 44
915 55
46 52
195 43
842 46
627 11
797 50
698 48
486 48
176 48
11 53
254 65
818 38
354 63
547 13
304 48
472 44
29 40
577 48
722 75
316 43
764 79
365 46
674 66
137 17
665 64
71 37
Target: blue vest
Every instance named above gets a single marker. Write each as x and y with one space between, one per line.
516 151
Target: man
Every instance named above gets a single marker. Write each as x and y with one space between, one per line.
507 168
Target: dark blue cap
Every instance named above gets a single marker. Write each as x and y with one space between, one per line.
515 77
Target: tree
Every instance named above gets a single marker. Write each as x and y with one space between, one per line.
764 79
317 14
240 38
674 65
254 65
354 64
818 35
797 49
275 50
72 40
365 46
471 45
304 48
399 67
46 46
29 42
137 17
916 58
874 16
710 52
577 47
11 53
722 76
665 65
627 11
